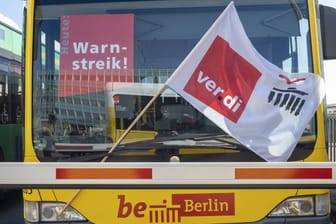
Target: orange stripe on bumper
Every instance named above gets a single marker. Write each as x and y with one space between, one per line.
283 173
103 173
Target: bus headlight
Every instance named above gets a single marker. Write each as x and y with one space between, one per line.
50 212
303 206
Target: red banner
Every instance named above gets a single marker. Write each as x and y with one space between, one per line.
95 49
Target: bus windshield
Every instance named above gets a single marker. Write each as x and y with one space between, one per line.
97 64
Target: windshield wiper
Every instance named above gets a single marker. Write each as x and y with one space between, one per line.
194 140
186 141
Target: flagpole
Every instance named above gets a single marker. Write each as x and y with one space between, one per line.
121 138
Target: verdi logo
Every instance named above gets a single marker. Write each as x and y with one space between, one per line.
223 80
179 206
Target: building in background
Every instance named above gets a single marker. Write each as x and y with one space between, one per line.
10 91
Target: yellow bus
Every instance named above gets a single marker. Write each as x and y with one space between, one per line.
90 67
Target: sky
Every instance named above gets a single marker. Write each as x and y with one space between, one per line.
13 10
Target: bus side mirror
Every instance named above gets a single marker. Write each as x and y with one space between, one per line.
328 31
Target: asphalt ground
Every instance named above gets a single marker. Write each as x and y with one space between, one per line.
11 208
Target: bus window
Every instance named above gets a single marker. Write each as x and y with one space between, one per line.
72 105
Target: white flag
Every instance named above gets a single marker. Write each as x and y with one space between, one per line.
261 106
